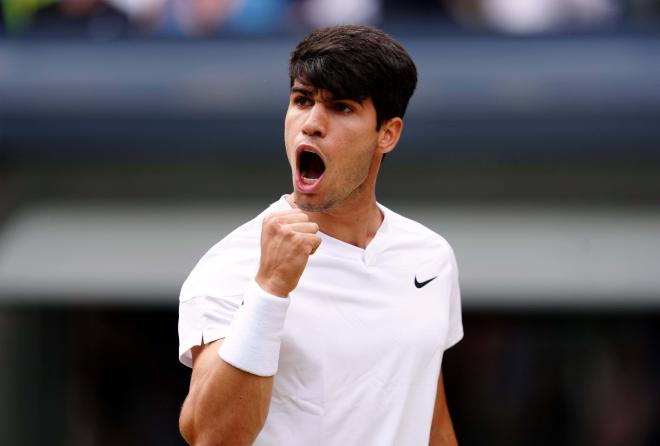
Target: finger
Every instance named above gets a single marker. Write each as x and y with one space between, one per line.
280 214
316 245
314 241
303 227
290 218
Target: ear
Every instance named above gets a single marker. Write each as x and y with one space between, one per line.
389 134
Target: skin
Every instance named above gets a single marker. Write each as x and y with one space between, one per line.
227 406
344 133
442 429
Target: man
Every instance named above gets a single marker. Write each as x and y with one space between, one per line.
323 321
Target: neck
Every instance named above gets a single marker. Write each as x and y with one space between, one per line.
355 224
357 219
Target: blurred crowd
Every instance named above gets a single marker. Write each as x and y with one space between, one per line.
113 18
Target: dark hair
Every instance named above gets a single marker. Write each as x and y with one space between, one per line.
357 62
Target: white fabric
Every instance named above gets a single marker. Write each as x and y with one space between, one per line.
253 341
362 345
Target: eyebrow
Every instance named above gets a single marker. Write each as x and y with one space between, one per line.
309 92
302 90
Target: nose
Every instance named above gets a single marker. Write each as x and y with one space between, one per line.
316 121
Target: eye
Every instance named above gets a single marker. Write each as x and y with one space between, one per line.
342 107
302 100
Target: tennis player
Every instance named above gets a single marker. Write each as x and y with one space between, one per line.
323 321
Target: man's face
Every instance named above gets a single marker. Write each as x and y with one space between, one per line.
331 146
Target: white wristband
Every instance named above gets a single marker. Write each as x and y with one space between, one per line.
253 341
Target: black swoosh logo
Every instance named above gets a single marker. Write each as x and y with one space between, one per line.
421 284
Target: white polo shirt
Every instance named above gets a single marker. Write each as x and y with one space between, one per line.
364 334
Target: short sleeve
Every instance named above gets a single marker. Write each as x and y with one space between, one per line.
455 332
214 290
204 319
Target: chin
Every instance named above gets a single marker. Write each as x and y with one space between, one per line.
309 205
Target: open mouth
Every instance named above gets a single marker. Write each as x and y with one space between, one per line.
310 167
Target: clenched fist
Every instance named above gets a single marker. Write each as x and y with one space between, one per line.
288 238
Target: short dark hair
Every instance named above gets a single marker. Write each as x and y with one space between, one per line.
357 62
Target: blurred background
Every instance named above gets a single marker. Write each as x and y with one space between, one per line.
134 134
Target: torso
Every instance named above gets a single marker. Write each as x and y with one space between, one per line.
362 344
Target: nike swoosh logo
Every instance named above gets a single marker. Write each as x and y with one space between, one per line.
421 284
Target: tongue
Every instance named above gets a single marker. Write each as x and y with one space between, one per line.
311 165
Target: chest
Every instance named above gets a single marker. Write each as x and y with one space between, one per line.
349 322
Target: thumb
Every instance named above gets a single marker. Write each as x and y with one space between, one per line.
316 244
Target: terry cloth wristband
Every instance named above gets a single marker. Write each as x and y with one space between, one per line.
253 340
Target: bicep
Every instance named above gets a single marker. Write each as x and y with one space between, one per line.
203 359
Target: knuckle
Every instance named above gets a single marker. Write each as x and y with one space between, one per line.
270 220
290 233
270 228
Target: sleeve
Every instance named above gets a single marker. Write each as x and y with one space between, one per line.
213 292
455 332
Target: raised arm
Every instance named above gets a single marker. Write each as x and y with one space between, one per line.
231 387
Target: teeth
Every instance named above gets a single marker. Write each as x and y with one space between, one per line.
308 180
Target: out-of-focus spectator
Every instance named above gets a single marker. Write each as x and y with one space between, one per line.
143 13
16 14
108 18
535 16
208 17
260 16
321 13
93 19
193 17
645 10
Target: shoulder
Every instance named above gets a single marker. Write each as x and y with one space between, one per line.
227 267
407 234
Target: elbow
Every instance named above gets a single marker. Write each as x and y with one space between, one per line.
223 432
187 424
191 433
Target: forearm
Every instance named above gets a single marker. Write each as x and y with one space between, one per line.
225 405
